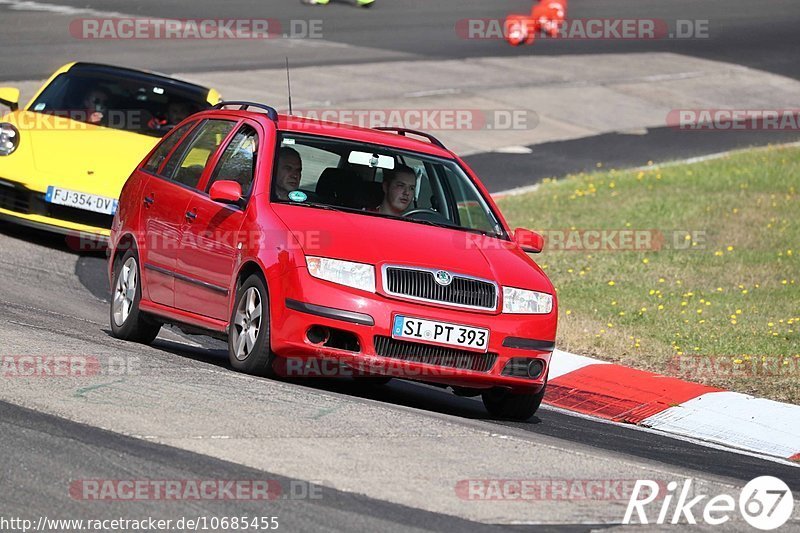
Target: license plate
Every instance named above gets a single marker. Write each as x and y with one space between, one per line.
81 200
406 327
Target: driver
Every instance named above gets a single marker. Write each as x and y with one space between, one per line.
399 188
290 168
176 112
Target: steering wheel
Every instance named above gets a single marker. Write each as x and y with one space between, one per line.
426 214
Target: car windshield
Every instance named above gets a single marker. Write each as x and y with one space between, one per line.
136 103
373 180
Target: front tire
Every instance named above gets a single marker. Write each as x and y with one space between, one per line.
248 338
127 321
502 403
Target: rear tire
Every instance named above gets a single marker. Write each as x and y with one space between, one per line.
248 338
502 403
127 321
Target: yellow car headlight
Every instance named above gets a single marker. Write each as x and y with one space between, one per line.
9 138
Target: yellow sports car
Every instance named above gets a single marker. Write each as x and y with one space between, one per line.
65 156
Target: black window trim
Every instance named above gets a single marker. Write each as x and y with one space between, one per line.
245 201
143 168
186 140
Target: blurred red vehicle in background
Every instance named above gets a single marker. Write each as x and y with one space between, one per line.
545 18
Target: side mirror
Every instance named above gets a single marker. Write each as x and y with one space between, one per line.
9 96
528 240
225 191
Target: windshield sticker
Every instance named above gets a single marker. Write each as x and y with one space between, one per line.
288 141
39 107
298 196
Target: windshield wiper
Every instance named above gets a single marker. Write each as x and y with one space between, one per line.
430 223
327 207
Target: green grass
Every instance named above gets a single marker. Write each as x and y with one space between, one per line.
727 299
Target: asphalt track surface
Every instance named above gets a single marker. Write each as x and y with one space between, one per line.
502 172
42 453
761 35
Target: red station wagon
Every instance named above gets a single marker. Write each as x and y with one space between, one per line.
322 249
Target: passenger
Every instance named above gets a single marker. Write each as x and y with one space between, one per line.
96 105
399 189
176 112
287 177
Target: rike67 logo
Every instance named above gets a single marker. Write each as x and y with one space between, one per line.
766 503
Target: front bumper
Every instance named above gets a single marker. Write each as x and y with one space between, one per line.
28 207
299 302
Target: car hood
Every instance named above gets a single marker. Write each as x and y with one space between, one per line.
377 240
75 155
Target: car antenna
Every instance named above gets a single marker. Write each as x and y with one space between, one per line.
289 84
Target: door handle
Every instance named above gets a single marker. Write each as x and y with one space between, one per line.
191 215
148 201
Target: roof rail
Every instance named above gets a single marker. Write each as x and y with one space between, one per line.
272 113
404 131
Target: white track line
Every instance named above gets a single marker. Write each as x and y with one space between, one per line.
732 418
684 438
564 362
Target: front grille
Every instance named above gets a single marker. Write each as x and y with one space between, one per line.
79 216
434 355
15 199
421 284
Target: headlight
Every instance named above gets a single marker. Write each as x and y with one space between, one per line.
356 275
9 138
520 301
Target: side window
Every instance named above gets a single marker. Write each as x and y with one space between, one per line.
472 211
163 150
238 162
199 150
